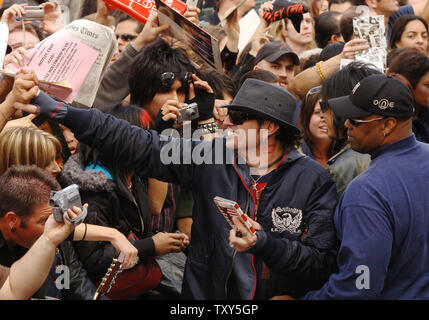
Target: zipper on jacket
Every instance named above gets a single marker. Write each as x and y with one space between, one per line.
234 254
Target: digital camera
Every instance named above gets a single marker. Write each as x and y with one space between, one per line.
64 199
33 13
189 112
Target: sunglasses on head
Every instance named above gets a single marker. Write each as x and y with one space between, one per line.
239 117
167 79
357 122
311 92
126 37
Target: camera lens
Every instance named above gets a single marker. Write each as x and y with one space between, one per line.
190 112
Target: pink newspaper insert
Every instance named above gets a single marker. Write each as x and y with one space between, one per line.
63 59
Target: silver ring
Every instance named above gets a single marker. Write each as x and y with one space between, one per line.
136 261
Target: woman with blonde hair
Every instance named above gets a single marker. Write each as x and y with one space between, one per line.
29 146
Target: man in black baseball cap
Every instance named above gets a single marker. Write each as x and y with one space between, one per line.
381 218
378 112
277 57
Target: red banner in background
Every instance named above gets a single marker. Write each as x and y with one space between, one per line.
141 10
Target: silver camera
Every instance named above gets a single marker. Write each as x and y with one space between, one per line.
65 199
189 112
34 13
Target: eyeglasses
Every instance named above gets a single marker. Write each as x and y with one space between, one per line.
126 37
239 117
167 79
357 122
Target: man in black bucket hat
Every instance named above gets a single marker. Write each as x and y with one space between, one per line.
382 217
290 195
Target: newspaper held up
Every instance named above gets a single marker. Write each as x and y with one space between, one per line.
372 29
101 39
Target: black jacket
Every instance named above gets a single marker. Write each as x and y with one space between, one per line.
299 195
110 204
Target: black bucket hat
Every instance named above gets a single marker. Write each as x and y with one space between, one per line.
267 100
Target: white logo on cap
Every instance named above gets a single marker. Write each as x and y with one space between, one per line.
383 104
355 88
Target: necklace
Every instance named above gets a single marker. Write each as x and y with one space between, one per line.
254 182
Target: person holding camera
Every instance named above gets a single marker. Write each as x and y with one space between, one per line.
25 206
26 275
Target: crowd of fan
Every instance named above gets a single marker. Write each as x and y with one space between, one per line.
339 204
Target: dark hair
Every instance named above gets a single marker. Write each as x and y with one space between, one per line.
331 50
341 84
410 63
219 82
400 25
147 67
310 61
90 156
24 187
393 53
359 2
346 23
263 75
326 26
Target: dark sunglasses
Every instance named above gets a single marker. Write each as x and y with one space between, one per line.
167 79
357 122
239 117
126 37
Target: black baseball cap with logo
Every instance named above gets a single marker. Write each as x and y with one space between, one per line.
375 94
273 50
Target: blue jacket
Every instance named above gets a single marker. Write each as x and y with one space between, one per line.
382 222
297 205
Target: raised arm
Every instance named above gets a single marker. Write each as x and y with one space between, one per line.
114 85
145 151
314 76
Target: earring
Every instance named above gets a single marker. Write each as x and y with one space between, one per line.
384 134
12 229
